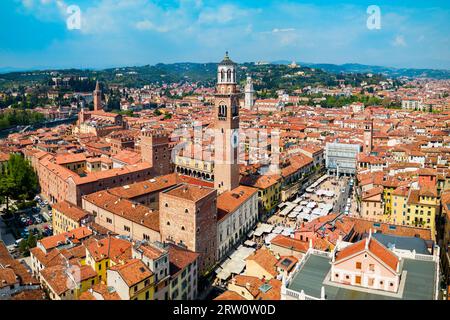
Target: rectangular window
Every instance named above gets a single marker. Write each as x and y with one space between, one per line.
358 265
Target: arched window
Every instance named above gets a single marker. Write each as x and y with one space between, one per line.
229 75
222 111
222 75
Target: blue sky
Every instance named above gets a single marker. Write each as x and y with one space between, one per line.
33 33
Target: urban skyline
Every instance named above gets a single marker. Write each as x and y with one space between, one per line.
224 181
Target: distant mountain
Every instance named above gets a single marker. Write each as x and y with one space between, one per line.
387 71
9 69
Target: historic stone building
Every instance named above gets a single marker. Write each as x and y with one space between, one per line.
188 218
155 150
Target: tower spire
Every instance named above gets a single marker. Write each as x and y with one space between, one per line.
97 97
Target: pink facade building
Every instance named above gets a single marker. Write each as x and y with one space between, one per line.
368 264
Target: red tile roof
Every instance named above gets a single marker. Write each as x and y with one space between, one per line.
374 247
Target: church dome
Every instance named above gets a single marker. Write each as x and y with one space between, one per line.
227 61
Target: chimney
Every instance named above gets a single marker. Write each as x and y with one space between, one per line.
368 239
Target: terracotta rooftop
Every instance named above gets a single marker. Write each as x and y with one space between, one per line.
229 295
374 247
71 211
230 201
190 192
74 236
132 272
265 259
290 243
125 208
109 248
180 258
145 187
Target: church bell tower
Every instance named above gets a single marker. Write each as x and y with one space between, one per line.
97 98
368 136
226 166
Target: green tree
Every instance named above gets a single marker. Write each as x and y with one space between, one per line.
26 244
23 246
31 241
19 181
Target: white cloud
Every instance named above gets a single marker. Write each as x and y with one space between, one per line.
276 30
147 25
28 4
223 14
399 41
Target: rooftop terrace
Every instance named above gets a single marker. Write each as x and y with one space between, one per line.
419 285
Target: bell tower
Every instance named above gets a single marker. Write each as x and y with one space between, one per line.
226 166
368 136
97 98
249 94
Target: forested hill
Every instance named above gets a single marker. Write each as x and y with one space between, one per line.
387 71
266 76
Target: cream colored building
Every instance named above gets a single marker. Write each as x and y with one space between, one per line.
237 215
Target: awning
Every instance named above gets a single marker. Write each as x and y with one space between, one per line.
269 238
277 230
224 275
250 243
